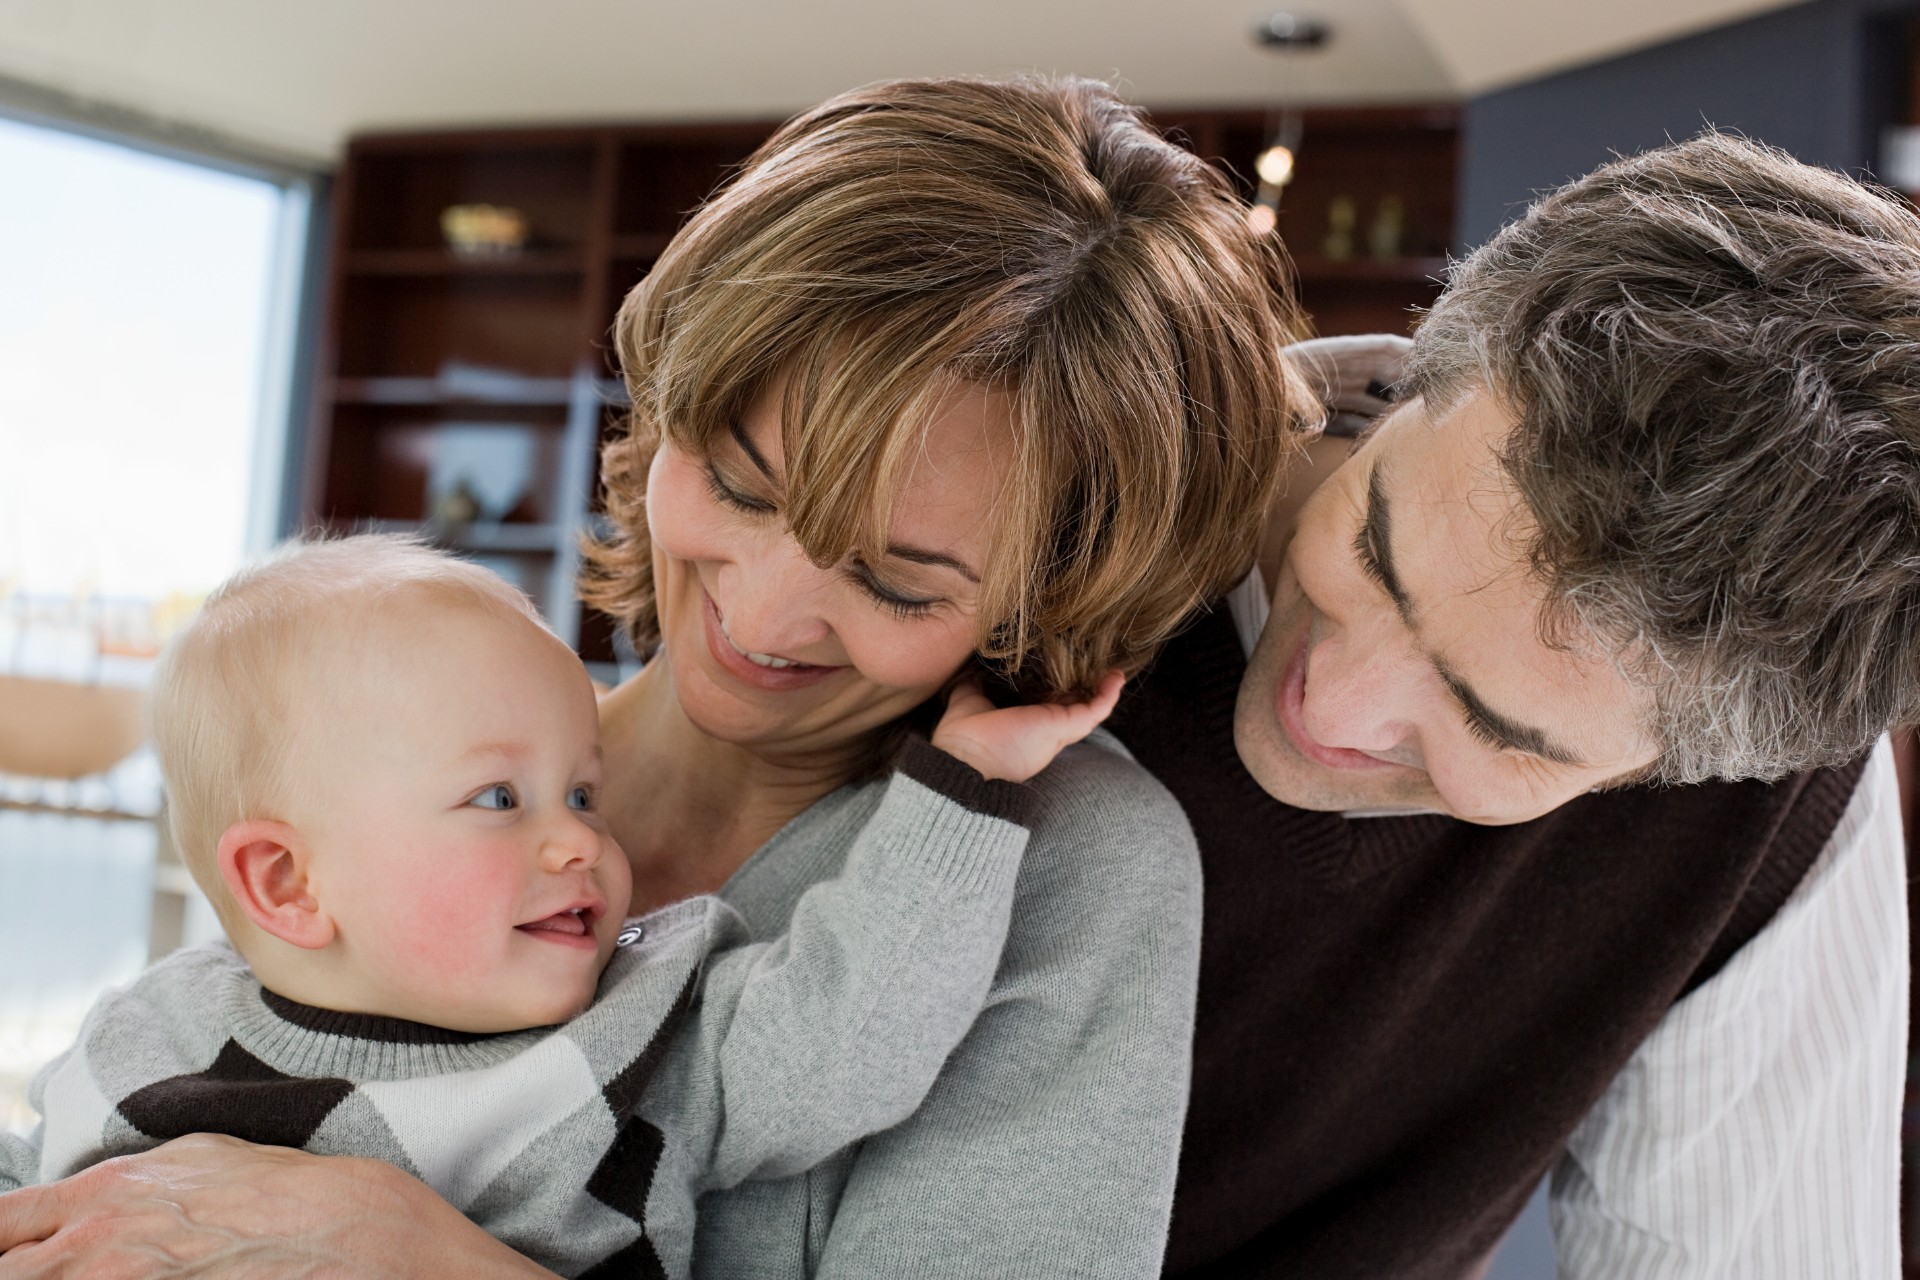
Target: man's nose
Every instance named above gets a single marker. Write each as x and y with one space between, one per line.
1360 695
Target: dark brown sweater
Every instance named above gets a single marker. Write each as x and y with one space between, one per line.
1401 1020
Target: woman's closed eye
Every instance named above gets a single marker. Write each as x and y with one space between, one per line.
899 603
497 796
728 496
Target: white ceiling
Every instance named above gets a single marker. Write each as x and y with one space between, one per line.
299 77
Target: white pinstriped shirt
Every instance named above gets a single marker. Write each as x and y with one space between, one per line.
1755 1135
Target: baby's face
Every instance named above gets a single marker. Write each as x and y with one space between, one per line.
453 815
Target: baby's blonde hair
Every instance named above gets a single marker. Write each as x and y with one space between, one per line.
232 689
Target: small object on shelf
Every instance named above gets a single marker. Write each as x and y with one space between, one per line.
1389 229
483 230
481 468
1338 246
454 509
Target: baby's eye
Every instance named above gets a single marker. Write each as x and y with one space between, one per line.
497 796
581 798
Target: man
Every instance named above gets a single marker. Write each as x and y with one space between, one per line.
1556 838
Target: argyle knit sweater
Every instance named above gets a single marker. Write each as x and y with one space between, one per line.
704 1061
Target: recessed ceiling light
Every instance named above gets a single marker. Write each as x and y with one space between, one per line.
1284 31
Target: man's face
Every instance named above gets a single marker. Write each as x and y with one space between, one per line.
1402 666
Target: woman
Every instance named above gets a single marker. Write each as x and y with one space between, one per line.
955 377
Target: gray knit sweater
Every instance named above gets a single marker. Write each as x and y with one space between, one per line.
706 1059
1047 1148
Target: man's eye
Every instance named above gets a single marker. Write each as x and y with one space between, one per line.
581 798
497 796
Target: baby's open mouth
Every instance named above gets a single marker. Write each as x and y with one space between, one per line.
574 922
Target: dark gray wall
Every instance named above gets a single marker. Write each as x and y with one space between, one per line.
1817 79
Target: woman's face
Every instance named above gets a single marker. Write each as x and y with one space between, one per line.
770 651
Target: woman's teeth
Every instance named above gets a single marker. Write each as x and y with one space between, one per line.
759 659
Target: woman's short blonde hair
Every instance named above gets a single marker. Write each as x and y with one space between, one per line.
1032 236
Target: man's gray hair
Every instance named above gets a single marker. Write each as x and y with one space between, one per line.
1713 352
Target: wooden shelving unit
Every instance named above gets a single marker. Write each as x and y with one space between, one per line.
426 352
1366 155
425 348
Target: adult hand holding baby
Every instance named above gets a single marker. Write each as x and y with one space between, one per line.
211 1206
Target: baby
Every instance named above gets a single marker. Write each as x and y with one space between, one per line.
385 773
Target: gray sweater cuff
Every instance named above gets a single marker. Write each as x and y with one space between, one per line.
961 783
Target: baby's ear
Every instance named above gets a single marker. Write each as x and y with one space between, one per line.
265 865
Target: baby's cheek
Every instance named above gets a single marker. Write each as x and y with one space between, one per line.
451 924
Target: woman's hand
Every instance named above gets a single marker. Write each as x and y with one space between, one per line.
210 1206
1014 743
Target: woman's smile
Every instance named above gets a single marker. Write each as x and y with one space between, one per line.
760 671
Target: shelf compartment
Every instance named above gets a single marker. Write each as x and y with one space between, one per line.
641 247
661 182
384 462
399 192
1418 271
444 262
407 326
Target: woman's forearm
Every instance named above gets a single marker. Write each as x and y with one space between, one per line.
208 1206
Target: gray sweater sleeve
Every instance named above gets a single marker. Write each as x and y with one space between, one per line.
1049 1146
19 1162
836 1030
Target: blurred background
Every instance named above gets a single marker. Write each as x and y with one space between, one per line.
270 267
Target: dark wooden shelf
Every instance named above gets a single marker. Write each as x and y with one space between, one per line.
644 246
1421 270
444 262
554 392
504 537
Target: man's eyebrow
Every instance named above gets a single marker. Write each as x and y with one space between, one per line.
1508 732
1374 547
758 459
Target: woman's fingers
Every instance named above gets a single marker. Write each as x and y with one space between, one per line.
221 1209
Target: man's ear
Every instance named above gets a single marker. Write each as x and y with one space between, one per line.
265 865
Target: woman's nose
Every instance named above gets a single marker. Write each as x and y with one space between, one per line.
770 601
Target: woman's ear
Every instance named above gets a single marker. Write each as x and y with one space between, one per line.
265 865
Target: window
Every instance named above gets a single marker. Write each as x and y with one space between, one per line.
146 337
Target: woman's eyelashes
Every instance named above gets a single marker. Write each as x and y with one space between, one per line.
728 496
895 602
899 603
